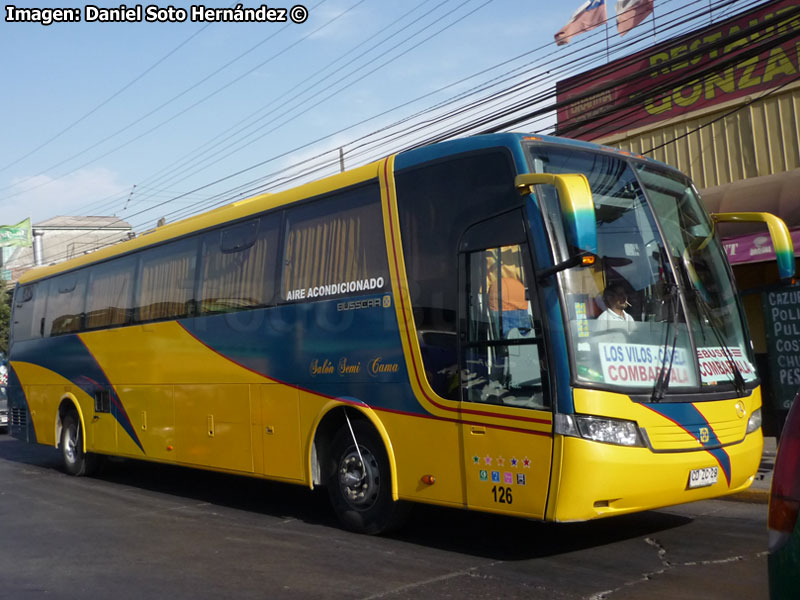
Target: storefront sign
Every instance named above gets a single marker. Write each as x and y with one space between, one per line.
755 248
782 322
741 56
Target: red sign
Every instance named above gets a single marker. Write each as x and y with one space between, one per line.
752 52
756 247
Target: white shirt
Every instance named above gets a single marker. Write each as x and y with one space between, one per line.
613 320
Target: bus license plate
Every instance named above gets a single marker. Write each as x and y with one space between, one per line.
703 477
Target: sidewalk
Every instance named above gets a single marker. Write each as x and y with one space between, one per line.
758 493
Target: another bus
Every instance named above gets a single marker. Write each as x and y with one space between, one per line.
424 328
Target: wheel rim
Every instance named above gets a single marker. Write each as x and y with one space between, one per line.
359 480
70 445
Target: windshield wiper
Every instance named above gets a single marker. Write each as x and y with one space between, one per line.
665 372
702 298
738 379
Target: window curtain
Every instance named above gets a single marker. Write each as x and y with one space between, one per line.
167 286
325 250
237 279
109 299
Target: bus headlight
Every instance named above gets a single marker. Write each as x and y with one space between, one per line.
599 429
755 421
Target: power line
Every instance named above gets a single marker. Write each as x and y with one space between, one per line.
167 103
416 127
140 184
290 102
106 101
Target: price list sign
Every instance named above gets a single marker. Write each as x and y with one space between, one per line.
782 321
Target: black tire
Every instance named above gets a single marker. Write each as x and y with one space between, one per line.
361 493
76 461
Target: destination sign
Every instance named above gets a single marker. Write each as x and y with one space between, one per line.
638 365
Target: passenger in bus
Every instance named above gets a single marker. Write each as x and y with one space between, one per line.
616 301
512 304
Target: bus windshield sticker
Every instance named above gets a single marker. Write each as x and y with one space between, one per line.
636 365
715 366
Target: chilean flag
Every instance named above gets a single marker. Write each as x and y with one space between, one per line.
591 14
631 12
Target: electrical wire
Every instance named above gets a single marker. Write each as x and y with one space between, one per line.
328 163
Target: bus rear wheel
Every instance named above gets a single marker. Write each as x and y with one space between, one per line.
76 461
359 482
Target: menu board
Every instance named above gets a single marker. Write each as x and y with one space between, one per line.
782 322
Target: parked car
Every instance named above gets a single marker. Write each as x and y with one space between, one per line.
784 508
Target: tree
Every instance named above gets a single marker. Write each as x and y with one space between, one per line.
5 316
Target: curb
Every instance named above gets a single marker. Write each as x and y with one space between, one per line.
750 496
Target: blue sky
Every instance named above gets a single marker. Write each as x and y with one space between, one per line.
108 118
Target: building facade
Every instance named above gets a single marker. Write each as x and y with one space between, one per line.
62 238
722 104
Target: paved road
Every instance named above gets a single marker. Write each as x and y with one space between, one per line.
150 531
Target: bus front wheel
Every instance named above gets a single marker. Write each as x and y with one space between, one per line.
76 461
359 481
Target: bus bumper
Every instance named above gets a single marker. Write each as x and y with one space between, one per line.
600 480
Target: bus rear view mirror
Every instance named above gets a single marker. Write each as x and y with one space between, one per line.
577 214
778 232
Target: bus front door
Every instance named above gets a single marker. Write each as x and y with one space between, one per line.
505 399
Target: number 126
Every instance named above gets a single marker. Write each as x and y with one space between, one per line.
502 494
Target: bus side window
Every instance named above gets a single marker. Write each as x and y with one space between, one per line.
29 305
109 300
333 241
167 281
503 347
237 269
66 296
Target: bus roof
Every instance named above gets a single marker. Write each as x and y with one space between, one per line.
256 204
230 212
423 154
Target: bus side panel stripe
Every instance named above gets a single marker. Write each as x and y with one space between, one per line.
330 392
68 356
117 409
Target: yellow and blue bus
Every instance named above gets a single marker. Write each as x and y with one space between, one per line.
433 327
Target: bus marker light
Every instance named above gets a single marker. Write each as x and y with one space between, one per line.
169 448
428 479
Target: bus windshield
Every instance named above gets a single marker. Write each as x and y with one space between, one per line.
658 312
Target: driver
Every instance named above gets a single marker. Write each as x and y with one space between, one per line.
616 301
